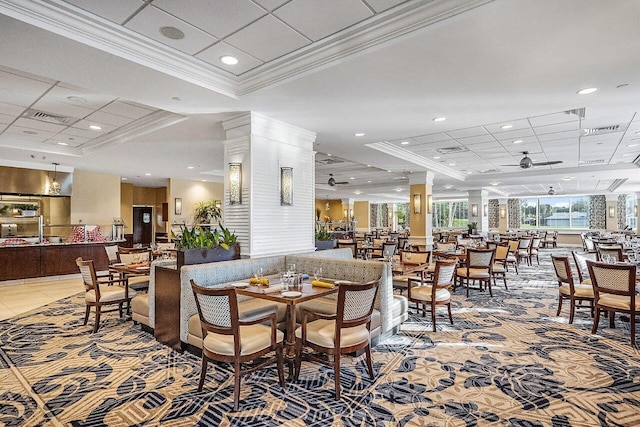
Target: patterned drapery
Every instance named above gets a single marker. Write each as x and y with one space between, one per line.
621 211
513 206
598 212
494 213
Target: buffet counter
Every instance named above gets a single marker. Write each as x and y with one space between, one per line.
50 259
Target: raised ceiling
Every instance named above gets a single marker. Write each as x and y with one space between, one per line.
383 68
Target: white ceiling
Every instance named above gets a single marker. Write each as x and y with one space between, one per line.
382 67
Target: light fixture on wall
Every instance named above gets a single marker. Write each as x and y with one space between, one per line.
350 214
235 183
178 206
635 210
286 186
503 212
474 210
612 211
55 188
346 211
417 203
486 210
429 204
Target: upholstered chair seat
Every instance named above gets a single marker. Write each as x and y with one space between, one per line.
253 338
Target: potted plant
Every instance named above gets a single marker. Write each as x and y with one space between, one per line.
324 240
473 227
199 245
206 212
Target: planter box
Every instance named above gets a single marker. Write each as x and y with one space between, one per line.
323 245
202 256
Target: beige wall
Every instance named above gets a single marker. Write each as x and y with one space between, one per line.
96 198
417 223
56 210
191 192
361 213
335 211
126 207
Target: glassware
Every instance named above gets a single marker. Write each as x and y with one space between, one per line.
258 273
317 273
292 268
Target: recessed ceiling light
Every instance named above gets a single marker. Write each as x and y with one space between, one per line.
172 33
389 171
95 127
229 60
190 167
448 186
124 178
369 182
517 141
587 91
398 189
357 192
632 145
328 154
506 126
353 177
204 180
404 143
452 164
76 99
627 155
148 174
436 157
469 172
358 134
439 119
495 183
368 166
567 178
62 143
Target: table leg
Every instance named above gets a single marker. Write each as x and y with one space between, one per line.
290 339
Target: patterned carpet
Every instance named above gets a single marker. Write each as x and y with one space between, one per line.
507 361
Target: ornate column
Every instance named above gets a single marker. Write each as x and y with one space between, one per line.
420 200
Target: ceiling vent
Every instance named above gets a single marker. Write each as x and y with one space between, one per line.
49 117
329 161
452 150
605 129
489 171
615 184
591 162
576 112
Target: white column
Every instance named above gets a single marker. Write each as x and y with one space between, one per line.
477 200
611 208
263 146
421 184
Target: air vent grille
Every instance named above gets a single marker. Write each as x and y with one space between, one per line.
591 162
580 112
329 161
605 129
488 171
452 150
43 116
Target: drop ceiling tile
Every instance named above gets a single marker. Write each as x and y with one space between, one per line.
88 100
6 119
553 119
113 10
468 132
72 140
149 21
319 19
491 145
127 109
512 135
245 62
104 118
472 140
17 98
37 125
558 135
61 108
78 132
19 83
381 5
434 137
217 17
84 124
28 133
11 110
560 127
270 4
559 143
267 39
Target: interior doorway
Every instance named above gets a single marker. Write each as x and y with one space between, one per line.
142 225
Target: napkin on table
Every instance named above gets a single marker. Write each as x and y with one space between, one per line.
320 284
255 281
273 289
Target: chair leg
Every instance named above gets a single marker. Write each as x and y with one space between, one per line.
612 317
97 321
449 310
572 310
369 361
489 285
433 315
559 304
86 314
596 320
236 384
280 365
632 327
120 310
336 372
298 360
203 372
504 279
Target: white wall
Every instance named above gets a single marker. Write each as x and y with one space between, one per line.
191 192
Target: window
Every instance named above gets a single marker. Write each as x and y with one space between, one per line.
450 214
631 217
555 212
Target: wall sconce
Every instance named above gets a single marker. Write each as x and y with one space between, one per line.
350 213
286 186
417 203
635 210
178 206
429 203
235 183
474 210
503 212
346 211
612 211
486 210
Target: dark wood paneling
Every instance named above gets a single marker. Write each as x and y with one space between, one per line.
19 263
167 327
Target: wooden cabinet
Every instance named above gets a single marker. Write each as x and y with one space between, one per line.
19 263
167 326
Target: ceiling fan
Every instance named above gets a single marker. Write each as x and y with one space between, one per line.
551 191
332 182
527 163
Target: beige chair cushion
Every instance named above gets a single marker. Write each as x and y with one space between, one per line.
474 273
140 309
523 252
512 258
586 282
108 294
253 338
138 280
321 332
581 290
499 268
617 301
423 293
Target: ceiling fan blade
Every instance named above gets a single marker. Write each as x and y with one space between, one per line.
344 182
555 162
508 165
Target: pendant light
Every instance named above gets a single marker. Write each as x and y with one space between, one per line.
55 187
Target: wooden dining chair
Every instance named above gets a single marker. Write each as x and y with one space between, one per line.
228 339
523 251
102 291
345 332
614 289
499 269
479 265
140 281
567 288
581 258
433 291
614 251
512 259
351 244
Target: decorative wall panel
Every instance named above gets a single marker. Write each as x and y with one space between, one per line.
494 213
513 207
621 211
598 212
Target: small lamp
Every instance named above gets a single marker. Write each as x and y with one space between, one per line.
612 211
474 210
235 183
417 203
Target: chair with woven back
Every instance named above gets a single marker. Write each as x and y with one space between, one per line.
524 248
401 282
228 339
567 288
614 289
534 250
479 267
100 291
433 291
580 259
512 259
347 331
351 244
551 239
608 251
500 264
136 256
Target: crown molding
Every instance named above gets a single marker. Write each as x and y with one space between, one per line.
76 24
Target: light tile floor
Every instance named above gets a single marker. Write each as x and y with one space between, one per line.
18 297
